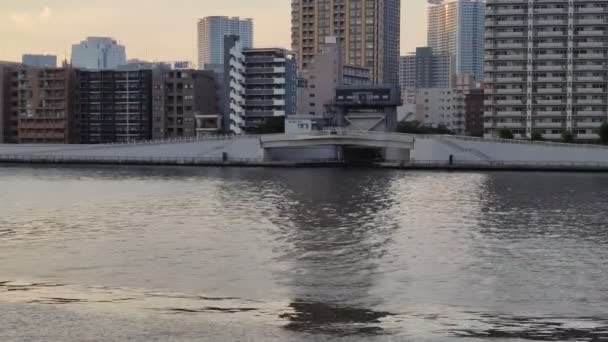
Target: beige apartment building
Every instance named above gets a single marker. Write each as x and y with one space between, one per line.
367 30
317 85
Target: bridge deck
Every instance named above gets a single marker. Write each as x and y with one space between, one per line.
341 138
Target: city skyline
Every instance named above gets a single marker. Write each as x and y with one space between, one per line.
49 27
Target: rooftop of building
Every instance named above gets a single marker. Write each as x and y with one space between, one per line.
224 17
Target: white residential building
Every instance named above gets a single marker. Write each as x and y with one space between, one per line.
435 107
260 85
98 53
546 67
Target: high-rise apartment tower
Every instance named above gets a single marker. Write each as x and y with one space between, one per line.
457 27
425 69
546 67
368 31
211 33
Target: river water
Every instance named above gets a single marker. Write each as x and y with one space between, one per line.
210 254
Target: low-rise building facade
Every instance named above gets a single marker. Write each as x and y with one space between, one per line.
42 61
115 106
183 100
325 72
9 93
474 111
46 105
437 107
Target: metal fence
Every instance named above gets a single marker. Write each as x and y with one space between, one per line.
136 160
514 164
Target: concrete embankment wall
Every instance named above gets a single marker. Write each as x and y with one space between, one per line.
506 151
429 152
235 148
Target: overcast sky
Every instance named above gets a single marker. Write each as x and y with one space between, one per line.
154 29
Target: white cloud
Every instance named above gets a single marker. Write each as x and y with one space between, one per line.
46 14
22 20
29 21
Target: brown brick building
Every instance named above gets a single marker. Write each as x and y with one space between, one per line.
8 102
46 106
474 108
180 97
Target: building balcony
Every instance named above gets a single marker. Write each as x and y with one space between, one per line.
548 113
585 102
510 79
505 23
550 11
590 33
510 102
591 44
516 91
263 92
510 113
514 34
510 125
591 21
550 124
550 68
264 113
551 33
550 79
589 79
507 11
265 70
507 46
510 57
552 45
265 81
546 56
589 67
589 90
589 113
551 22
509 68
600 56
550 102
587 124
550 90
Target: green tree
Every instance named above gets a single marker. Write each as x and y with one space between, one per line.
604 132
270 125
567 136
505 133
416 127
536 136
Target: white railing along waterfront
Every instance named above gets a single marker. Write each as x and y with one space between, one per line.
214 137
493 164
510 141
431 164
58 159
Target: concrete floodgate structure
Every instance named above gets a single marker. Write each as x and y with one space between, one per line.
326 148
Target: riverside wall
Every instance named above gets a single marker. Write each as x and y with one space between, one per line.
429 152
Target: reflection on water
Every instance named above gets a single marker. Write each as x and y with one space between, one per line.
356 255
332 319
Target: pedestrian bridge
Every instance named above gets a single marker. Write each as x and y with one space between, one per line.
338 137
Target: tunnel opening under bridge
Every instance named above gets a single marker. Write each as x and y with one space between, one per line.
361 155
